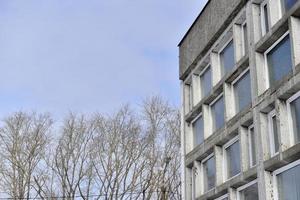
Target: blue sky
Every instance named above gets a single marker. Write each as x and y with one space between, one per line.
90 55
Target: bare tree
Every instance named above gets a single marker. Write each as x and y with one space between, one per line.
118 150
127 155
23 140
72 162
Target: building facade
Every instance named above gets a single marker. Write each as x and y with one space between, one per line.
240 89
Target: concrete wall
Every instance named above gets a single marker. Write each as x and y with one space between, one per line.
208 26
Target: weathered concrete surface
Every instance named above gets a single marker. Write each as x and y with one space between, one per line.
208 26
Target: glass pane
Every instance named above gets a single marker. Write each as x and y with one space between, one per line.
266 21
233 159
242 93
289 4
250 193
209 174
295 109
289 184
218 114
252 147
227 57
198 130
275 134
206 82
245 38
279 60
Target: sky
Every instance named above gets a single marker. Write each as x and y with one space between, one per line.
83 56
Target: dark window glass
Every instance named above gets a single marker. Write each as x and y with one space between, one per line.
252 146
250 193
288 4
295 109
206 82
227 58
198 130
242 92
289 184
280 60
245 38
233 159
266 20
209 173
218 115
275 134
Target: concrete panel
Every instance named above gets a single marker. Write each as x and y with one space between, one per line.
208 26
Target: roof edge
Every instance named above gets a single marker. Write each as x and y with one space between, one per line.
199 15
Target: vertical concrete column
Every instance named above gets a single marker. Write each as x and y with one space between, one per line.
254 34
196 89
265 184
186 96
283 125
208 130
244 156
215 68
238 42
232 194
275 11
294 26
218 152
229 101
182 139
263 144
189 184
189 137
198 179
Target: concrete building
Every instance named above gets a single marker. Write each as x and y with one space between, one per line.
240 83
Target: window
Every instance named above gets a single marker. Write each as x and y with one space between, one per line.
190 97
288 4
227 57
265 17
198 130
287 180
218 113
206 81
209 172
248 191
252 146
242 91
294 112
232 158
224 197
279 60
273 133
245 38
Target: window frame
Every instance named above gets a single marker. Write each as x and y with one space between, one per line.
243 187
225 167
263 17
268 51
222 197
250 146
192 123
202 168
243 37
200 75
279 171
233 91
210 111
221 50
271 114
290 118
